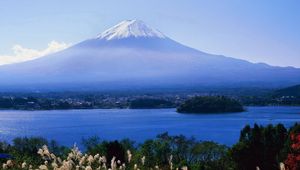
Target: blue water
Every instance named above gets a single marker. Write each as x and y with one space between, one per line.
70 126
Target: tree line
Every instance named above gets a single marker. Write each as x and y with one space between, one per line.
259 146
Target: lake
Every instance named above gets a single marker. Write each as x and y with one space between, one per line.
70 126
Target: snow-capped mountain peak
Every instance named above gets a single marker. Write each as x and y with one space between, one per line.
130 28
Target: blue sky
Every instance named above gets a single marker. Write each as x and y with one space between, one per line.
258 31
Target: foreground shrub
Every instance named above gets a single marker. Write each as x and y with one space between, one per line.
259 146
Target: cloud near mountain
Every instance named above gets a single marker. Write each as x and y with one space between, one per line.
21 53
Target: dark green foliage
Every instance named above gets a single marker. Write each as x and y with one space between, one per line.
29 145
295 129
58 150
91 142
259 146
210 104
115 149
5 149
108 149
287 145
25 149
93 145
128 144
146 103
209 155
185 152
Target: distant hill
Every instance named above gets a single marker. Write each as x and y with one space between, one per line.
289 91
287 96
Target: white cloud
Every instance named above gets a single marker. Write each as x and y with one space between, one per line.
24 54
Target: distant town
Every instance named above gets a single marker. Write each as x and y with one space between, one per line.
100 100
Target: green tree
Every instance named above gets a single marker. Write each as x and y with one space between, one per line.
259 146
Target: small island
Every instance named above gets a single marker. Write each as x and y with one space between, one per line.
210 104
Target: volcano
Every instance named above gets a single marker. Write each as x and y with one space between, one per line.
132 55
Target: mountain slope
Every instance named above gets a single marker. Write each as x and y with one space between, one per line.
134 55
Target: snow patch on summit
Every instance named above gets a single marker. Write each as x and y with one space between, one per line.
130 28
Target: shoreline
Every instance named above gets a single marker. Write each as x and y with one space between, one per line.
116 108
